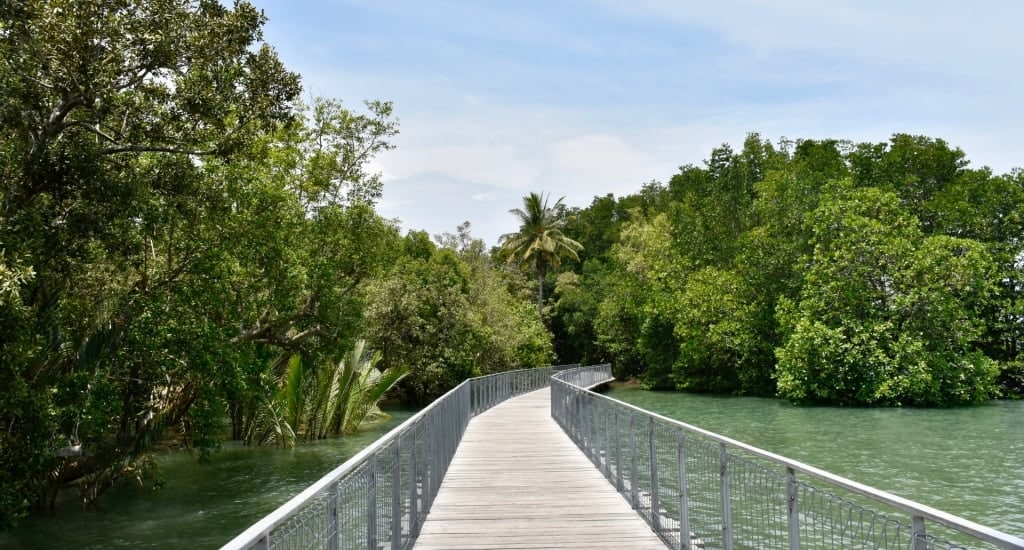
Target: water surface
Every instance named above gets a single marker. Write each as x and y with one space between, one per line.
201 505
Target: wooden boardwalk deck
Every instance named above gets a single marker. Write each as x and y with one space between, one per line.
517 481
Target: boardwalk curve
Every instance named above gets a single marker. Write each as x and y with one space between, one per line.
517 481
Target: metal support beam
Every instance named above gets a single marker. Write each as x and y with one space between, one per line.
793 509
723 461
684 497
655 505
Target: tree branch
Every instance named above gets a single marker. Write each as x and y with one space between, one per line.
136 148
91 128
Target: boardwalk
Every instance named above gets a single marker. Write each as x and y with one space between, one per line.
517 481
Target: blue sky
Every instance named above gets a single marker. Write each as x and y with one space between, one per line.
584 98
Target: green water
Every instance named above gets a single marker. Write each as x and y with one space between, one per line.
201 506
966 461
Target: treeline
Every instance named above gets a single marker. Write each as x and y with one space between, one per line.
189 253
815 270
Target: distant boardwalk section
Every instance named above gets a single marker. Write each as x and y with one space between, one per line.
517 481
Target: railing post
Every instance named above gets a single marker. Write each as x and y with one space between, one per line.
396 498
792 509
655 505
575 417
558 404
582 422
428 464
588 426
920 541
607 446
592 430
332 517
634 490
371 502
684 497
618 456
723 459
414 509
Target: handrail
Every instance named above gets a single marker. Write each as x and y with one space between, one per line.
384 492
587 418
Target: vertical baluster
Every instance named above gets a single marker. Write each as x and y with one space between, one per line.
607 445
396 498
371 502
428 462
634 490
655 506
920 541
618 456
588 426
723 459
684 497
571 418
332 517
792 509
414 509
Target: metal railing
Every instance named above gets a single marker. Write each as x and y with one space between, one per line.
380 497
698 489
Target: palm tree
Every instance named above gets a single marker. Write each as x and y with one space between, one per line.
539 243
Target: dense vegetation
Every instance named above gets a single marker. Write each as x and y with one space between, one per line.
188 253
819 271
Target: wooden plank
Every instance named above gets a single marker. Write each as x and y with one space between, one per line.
517 481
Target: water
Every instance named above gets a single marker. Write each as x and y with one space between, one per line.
201 506
966 461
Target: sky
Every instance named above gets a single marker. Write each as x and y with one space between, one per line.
581 98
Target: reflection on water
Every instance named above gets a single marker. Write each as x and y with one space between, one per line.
967 461
201 506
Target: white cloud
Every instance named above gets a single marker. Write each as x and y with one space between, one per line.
581 99
476 167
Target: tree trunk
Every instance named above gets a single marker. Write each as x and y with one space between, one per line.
540 295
